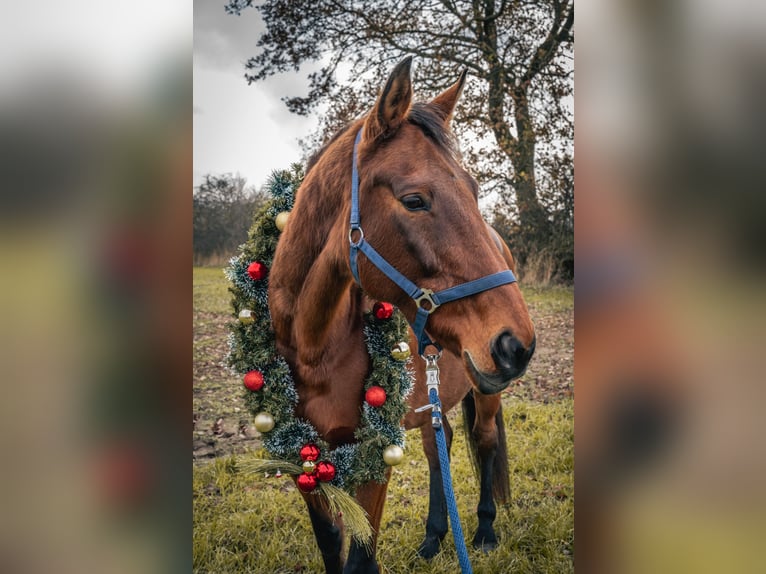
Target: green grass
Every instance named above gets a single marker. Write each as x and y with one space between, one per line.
216 392
245 523
252 524
555 298
211 290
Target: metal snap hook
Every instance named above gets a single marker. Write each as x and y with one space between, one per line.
432 383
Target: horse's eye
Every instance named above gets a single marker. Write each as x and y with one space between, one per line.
414 202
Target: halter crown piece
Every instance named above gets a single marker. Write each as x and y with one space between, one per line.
425 299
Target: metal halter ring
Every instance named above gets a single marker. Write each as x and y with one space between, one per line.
351 238
426 298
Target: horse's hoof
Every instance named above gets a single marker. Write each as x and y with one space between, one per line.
370 568
485 544
429 548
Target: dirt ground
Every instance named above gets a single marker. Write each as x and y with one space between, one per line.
222 424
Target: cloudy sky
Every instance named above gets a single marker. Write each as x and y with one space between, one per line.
239 128
116 45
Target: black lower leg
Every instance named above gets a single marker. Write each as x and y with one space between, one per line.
360 561
485 538
436 524
329 540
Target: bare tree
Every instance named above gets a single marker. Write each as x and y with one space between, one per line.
223 209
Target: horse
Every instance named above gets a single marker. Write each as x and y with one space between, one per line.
420 210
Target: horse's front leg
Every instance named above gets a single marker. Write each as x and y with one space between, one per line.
436 524
372 497
328 534
488 439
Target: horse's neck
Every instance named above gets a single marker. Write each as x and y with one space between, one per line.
315 307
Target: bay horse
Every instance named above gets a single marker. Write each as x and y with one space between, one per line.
420 211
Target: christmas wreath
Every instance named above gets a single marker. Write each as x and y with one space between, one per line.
294 444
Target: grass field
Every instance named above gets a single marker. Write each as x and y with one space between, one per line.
245 523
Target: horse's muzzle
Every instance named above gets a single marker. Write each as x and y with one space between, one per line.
511 359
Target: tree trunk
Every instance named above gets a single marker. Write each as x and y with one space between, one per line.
521 149
521 152
532 215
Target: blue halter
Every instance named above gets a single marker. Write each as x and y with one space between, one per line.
425 299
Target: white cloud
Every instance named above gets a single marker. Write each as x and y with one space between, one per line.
244 128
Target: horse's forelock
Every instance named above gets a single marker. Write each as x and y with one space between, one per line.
432 123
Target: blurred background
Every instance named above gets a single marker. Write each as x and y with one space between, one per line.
669 289
95 241
95 212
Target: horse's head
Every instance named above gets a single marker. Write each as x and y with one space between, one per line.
419 210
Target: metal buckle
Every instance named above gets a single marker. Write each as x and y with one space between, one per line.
432 382
428 298
351 238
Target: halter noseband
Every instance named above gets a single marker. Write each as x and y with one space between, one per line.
425 299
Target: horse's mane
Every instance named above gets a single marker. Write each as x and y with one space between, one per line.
421 114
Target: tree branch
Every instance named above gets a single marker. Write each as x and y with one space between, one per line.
464 19
494 15
556 36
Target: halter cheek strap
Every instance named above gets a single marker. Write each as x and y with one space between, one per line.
427 301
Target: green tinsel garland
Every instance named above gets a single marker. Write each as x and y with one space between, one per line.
252 347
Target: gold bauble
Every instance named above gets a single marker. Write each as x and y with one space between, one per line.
309 466
393 455
263 422
281 220
246 316
401 352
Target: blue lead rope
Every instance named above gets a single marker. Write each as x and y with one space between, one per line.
449 492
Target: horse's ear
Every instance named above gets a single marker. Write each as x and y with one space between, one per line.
445 102
393 103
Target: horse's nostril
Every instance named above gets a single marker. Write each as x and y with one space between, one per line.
509 353
510 346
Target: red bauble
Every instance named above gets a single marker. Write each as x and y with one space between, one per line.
306 482
254 381
383 310
257 270
325 471
375 396
309 452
